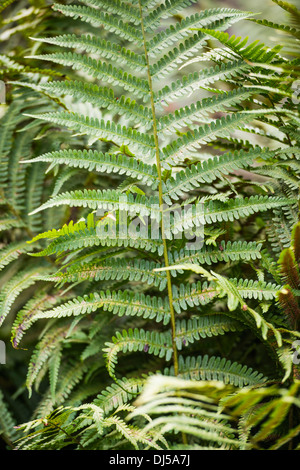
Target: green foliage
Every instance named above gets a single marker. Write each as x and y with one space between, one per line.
155 176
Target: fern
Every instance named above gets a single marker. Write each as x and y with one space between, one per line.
208 154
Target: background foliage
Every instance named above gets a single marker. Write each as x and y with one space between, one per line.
120 344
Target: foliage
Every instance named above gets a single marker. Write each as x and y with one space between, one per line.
162 240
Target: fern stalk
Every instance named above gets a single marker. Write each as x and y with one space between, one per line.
160 196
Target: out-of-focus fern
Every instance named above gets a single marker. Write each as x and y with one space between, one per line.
195 170
243 420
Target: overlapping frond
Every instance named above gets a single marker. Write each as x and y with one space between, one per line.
223 165
93 160
217 368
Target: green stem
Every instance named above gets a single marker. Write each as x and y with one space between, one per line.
72 438
160 196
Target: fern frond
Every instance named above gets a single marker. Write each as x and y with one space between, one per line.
289 305
289 7
230 251
116 269
151 342
92 237
108 200
217 211
164 10
174 33
200 110
118 303
279 27
43 351
192 140
7 422
100 70
123 9
289 268
260 290
195 294
202 327
255 52
10 222
54 366
4 4
217 368
8 122
92 44
165 65
93 160
15 286
12 252
25 316
209 170
33 198
120 135
117 394
100 18
193 81
101 97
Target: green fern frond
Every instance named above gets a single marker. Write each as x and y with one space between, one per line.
116 269
117 394
100 18
192 140
255 52
217 368
100 70
7 422
152 342
108 200
25 316
230 251
205 326
7 223
195 294
92 44
209 170
279 27
12 252
15 286
8 122
164 10
101 97
54 366
118 303
93 160
43 351
201 110
92 237
165 65
174 33
216 211
120 135
193 81
289 7
134 150
118 7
